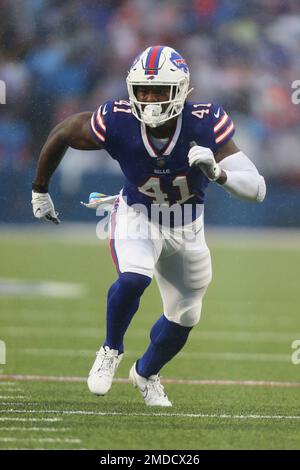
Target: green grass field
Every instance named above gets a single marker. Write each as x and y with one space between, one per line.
249 320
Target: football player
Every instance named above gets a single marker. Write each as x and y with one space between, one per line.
169 149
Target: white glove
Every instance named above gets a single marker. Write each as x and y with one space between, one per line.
204 158
43 207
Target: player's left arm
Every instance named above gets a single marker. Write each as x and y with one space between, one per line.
239 176
226 150
231 168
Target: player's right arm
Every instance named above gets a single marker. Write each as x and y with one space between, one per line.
74 132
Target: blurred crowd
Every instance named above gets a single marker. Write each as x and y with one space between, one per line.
59 57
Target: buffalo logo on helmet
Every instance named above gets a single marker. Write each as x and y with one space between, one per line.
179 61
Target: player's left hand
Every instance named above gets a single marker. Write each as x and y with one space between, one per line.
204 158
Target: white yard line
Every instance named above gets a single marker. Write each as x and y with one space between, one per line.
46 439
24 288
159 415
217 335
35 420
4 384
214 356
20 403
11 397
24 428
252 383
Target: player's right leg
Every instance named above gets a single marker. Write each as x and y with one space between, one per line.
135 256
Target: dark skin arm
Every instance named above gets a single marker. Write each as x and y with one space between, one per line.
73 132
228 149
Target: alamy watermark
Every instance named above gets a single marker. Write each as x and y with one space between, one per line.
2 352
296 354
155 223
2 92
296 93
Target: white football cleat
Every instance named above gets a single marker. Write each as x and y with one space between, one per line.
103 370
151 388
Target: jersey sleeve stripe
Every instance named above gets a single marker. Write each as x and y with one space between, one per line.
100 120
96 132
225 134
221 123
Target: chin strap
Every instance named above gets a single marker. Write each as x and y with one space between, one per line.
152 114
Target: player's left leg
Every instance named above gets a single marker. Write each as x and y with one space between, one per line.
135 255
183 278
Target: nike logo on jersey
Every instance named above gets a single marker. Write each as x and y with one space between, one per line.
104 111
217 114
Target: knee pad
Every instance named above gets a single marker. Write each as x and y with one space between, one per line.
187 310
190 316
133 284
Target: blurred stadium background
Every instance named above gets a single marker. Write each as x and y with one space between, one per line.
60 57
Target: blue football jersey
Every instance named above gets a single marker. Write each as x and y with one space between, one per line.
162 176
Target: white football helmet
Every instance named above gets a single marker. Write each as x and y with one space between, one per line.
158 65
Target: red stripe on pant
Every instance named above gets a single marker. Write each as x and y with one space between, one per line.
112 241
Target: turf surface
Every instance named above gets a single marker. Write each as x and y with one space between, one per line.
250 319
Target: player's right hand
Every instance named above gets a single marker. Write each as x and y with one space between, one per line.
43 207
